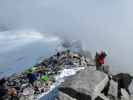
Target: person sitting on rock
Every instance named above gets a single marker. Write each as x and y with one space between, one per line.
99 59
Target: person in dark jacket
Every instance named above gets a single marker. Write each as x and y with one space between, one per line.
58 55
99 59
32 78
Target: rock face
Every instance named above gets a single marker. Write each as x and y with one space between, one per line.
124 80
86 85
91 84
63 96
106 69
125 95
113 90
131 98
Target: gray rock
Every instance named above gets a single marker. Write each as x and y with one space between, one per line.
131 98
63 96
124 80
113 89
86 85
103 97
106 69
92 68
125 95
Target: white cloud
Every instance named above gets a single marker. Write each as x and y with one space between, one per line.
10 41
105 24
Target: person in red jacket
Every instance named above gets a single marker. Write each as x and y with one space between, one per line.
99 59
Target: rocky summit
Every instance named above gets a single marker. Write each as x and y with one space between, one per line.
73 75
92 84
42 78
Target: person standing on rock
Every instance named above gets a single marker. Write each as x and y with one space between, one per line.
99 59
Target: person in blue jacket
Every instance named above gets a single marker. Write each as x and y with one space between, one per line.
32 78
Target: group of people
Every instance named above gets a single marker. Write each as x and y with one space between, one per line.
13 89
39 77
41 73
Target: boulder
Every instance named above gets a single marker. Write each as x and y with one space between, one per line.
124 80
106 69
63 96
92 68
131 98
125 95
85 85
113 89
102 97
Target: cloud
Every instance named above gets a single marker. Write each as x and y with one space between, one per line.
104 24
9 41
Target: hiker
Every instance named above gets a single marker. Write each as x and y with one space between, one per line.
124 80
32 78
58 55
99 59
